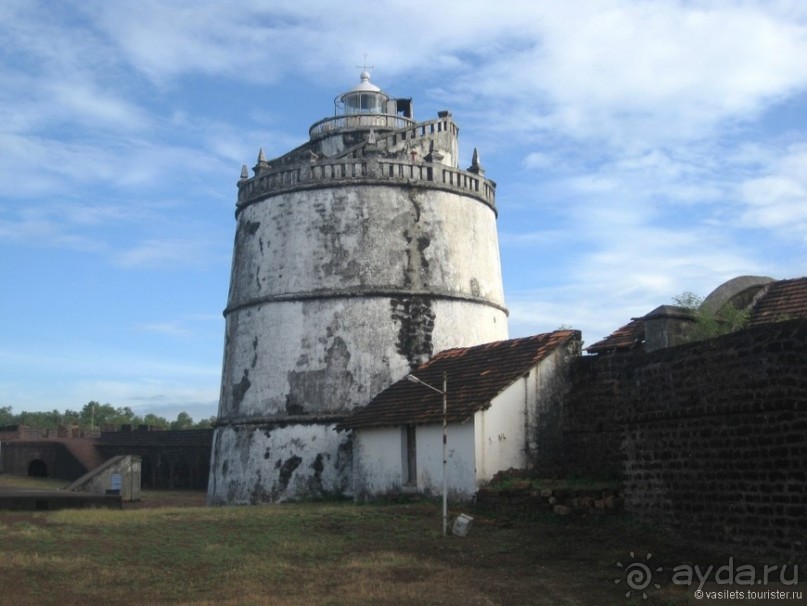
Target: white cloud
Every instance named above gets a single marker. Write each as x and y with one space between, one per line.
94 107
137 236
539 160
68 225
164 254
165 41
59 74
596 310
88 359
185 326
163 328
777 198
36 166
631 73
627 249
629 270
42 226
614 70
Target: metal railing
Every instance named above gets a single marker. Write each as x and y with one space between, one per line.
358 121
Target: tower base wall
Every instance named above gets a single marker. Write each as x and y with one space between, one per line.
272 463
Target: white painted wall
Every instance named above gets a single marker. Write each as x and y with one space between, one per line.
501 432
460 474
365 247
379 461
344 351
354 236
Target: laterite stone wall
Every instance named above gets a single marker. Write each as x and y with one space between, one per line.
712 436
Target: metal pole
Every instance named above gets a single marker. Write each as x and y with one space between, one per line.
445 442
414 379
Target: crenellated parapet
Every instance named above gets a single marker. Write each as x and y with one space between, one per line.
367 171
415 155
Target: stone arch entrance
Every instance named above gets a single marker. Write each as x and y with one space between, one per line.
37 469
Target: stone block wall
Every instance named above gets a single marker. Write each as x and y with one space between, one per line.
711 437
736 479
715 439
592 418
170 459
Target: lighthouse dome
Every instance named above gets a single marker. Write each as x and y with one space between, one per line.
364 98
365 85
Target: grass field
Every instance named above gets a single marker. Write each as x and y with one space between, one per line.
171 549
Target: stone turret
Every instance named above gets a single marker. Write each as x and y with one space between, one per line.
358 255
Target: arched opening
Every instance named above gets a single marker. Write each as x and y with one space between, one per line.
38 469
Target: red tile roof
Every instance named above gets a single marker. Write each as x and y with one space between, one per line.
780 300
627 337
475 376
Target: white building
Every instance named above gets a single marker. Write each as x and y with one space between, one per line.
502 398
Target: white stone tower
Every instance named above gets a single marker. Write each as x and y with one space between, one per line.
357 256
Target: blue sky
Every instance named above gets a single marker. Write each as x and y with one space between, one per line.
641 149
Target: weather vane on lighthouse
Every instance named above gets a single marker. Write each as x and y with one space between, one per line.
365 67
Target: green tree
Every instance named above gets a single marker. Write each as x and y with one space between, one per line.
71 417
205 423
6 416
97 415
41 420
688 300
184 421
711 323
152 420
